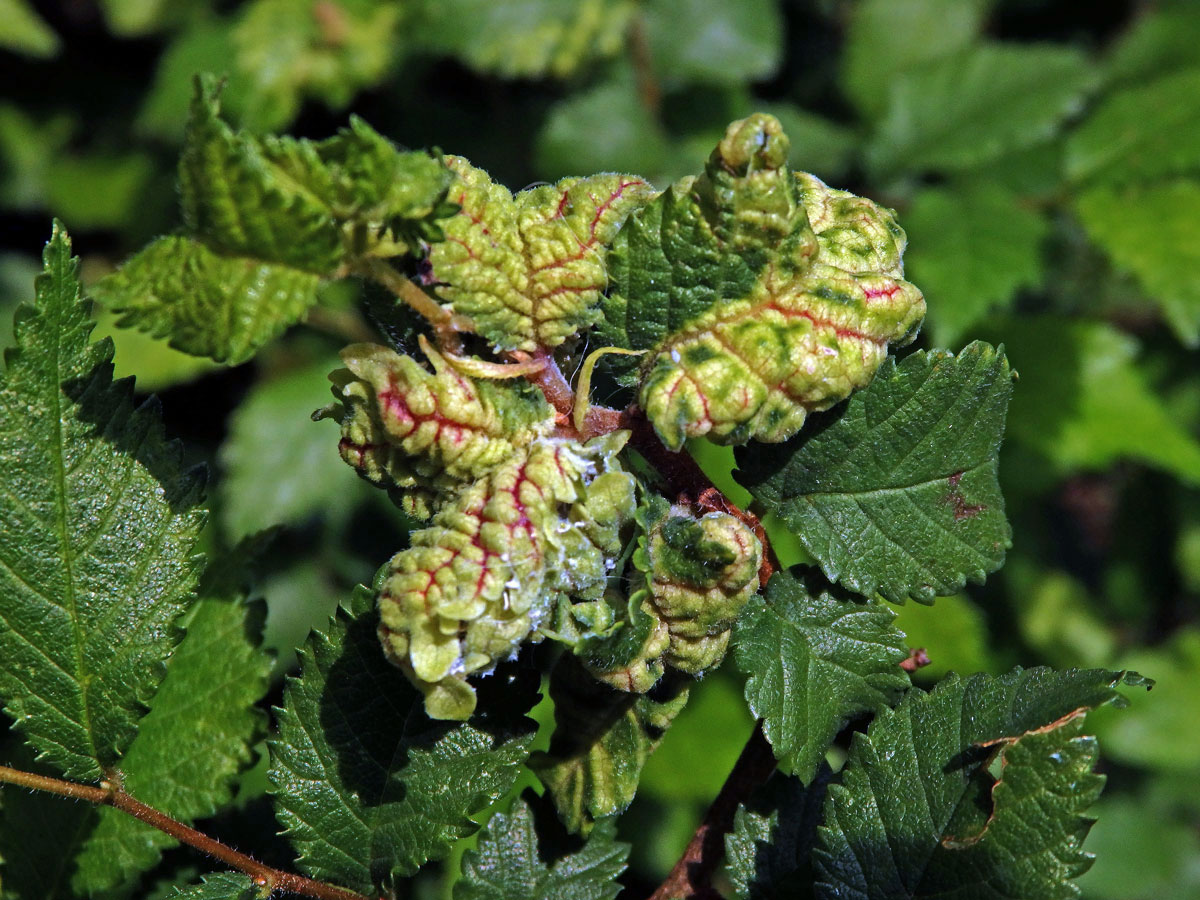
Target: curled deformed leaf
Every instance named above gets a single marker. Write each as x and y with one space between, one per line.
405 427
529 269
693 575
486 573
761 293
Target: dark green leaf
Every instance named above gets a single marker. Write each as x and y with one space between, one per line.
1154 234
814 660
888 37
197 736
602 739
768 851
367 786
965 110
971 248
222 886
896 493
1140 133
507 864
100 524
919 814
713 42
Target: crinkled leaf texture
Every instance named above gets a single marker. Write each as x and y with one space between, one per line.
896 493
98 527
815 659
266 220
529 268
760 294
919 814
768 850
508 864
368 787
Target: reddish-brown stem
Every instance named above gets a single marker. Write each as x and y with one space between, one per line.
110 793
692 876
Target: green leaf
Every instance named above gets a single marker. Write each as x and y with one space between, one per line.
1161 731
268 219
965 110
954 635
155 363
107 524
604 129
1143 849
1084 401
602 739
280 467
814 660
507 864
223 307
712 42
919 814
543 282
761 294
768 850
896 493
286 52
1140 133
25 32
197 736
1160 41
889 37
367 786
222 886
1153 233
527 38
972 248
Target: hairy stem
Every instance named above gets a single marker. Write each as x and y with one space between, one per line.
110 793
446 325
692 876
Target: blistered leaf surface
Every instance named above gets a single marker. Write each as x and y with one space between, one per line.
761 294
529 269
